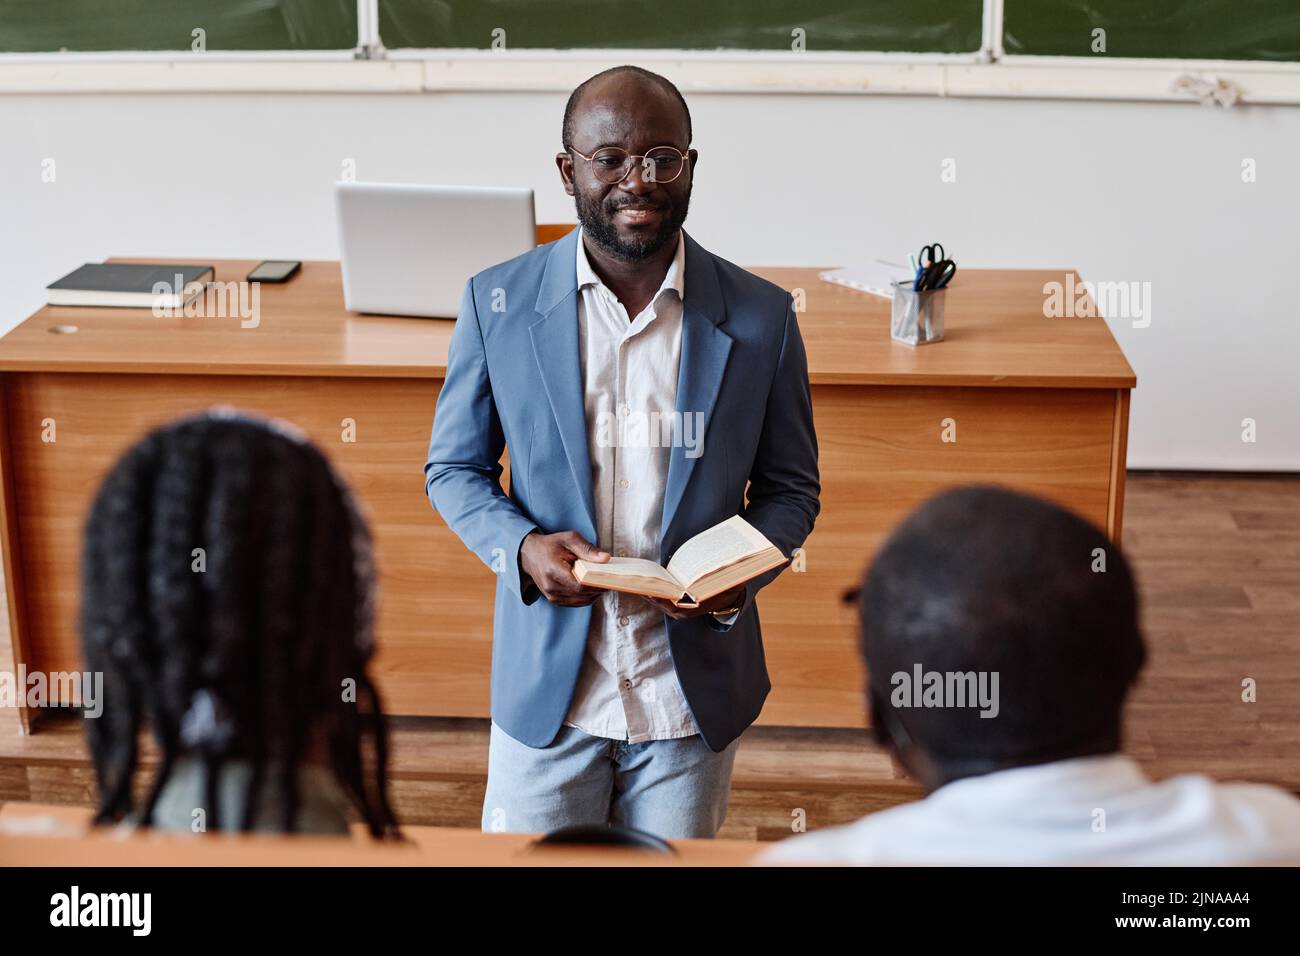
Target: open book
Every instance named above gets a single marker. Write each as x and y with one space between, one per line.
712 562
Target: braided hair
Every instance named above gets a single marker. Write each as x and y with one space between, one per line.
254 648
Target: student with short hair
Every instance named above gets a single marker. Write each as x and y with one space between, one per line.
227 600
1000 636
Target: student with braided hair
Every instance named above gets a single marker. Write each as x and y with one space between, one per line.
227 598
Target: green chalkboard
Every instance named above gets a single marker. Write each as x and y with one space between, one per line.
47 26
929 26
1186 29
1191 29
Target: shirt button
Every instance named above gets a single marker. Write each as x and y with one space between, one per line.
623 409
623 621
623 483
627 684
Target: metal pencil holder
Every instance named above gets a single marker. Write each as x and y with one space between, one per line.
917 317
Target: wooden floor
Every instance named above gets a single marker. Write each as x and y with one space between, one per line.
1218 560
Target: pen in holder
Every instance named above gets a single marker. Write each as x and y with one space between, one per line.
917 317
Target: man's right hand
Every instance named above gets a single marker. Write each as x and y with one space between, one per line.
548 560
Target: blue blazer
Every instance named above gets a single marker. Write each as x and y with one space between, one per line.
513 380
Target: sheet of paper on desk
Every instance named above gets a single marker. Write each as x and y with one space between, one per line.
875 277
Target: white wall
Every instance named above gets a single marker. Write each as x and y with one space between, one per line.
1120 191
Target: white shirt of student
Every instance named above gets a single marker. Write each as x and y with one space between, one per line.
1087 811
628 688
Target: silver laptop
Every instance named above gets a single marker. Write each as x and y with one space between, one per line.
408 250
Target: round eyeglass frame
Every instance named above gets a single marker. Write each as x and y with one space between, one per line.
629 163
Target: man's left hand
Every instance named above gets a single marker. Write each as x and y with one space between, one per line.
719 602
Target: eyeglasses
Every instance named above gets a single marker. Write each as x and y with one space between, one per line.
612 165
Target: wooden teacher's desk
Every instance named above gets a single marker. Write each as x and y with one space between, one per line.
1037 403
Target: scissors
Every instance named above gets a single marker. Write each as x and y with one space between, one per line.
935 270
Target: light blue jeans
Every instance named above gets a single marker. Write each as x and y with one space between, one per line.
671 788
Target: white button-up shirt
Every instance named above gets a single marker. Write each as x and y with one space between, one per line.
1086 811
628 688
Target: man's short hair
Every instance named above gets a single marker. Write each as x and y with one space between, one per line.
566 131
983 579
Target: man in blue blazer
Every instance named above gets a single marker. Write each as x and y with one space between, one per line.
647 390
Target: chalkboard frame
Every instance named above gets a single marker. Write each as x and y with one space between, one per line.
370 68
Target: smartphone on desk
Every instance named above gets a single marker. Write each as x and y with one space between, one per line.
274 270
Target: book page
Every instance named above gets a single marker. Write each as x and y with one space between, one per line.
627 567
724 579
721 545
632 575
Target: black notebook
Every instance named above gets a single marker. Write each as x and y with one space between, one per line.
129 284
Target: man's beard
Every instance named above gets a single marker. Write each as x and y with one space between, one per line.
597 222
